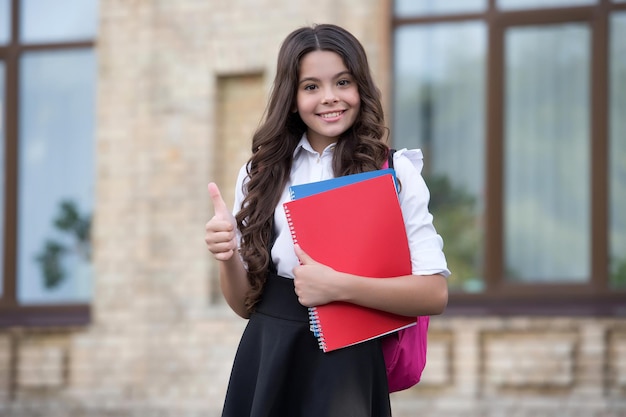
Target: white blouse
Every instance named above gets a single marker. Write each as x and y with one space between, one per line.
425 244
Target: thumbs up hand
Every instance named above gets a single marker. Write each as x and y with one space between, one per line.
220 236
315 283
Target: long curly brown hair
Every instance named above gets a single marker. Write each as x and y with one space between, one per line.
361 148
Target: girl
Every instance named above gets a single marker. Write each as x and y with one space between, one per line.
324 119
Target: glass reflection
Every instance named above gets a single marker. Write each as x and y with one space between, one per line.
57 21
414 8
56 176
5 21
617 150
536 4
547 163
439 106
2 170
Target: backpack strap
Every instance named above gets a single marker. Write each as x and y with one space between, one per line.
390 158
389 162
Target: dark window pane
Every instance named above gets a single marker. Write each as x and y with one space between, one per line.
58 20
617 150
56 176
547 159
413 8
439 104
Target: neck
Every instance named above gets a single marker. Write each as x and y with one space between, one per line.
320 143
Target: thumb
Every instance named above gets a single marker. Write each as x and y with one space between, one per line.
221 211
304 258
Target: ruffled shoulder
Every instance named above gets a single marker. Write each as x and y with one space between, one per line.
414 156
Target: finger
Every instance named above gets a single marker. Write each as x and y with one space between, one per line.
304 258
216 225
221 249
225 236
224 256
221 211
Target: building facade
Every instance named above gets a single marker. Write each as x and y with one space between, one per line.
116 118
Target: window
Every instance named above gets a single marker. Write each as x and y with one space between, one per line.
524 147
47 58
442 82
546 141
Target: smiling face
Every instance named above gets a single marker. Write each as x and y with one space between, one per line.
328 100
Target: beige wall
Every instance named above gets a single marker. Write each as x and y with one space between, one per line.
182 85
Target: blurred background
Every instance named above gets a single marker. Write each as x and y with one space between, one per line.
114 116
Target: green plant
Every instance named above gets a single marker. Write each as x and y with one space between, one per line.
618 273
71 222
456 221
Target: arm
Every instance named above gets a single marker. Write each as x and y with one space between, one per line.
234 284
425 292
221 240
411 295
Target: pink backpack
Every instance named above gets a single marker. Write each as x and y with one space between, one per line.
405 355
405 350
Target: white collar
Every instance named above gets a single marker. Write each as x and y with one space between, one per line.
306 145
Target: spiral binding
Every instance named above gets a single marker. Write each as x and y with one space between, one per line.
290 224
322 343
315 327
314 323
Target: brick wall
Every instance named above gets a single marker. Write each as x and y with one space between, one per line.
476 367
172 77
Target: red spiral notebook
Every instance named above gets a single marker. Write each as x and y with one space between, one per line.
358 229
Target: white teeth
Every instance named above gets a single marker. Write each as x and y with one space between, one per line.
329 115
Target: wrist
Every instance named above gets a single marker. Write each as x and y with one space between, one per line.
344 286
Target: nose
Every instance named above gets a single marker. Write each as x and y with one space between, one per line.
329 96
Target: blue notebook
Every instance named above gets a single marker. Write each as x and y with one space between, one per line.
305 190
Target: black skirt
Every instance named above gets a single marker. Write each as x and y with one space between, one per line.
279 370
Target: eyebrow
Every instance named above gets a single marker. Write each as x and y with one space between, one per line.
342 73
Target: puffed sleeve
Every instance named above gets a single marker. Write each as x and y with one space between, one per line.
240 194
426 245
242 177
